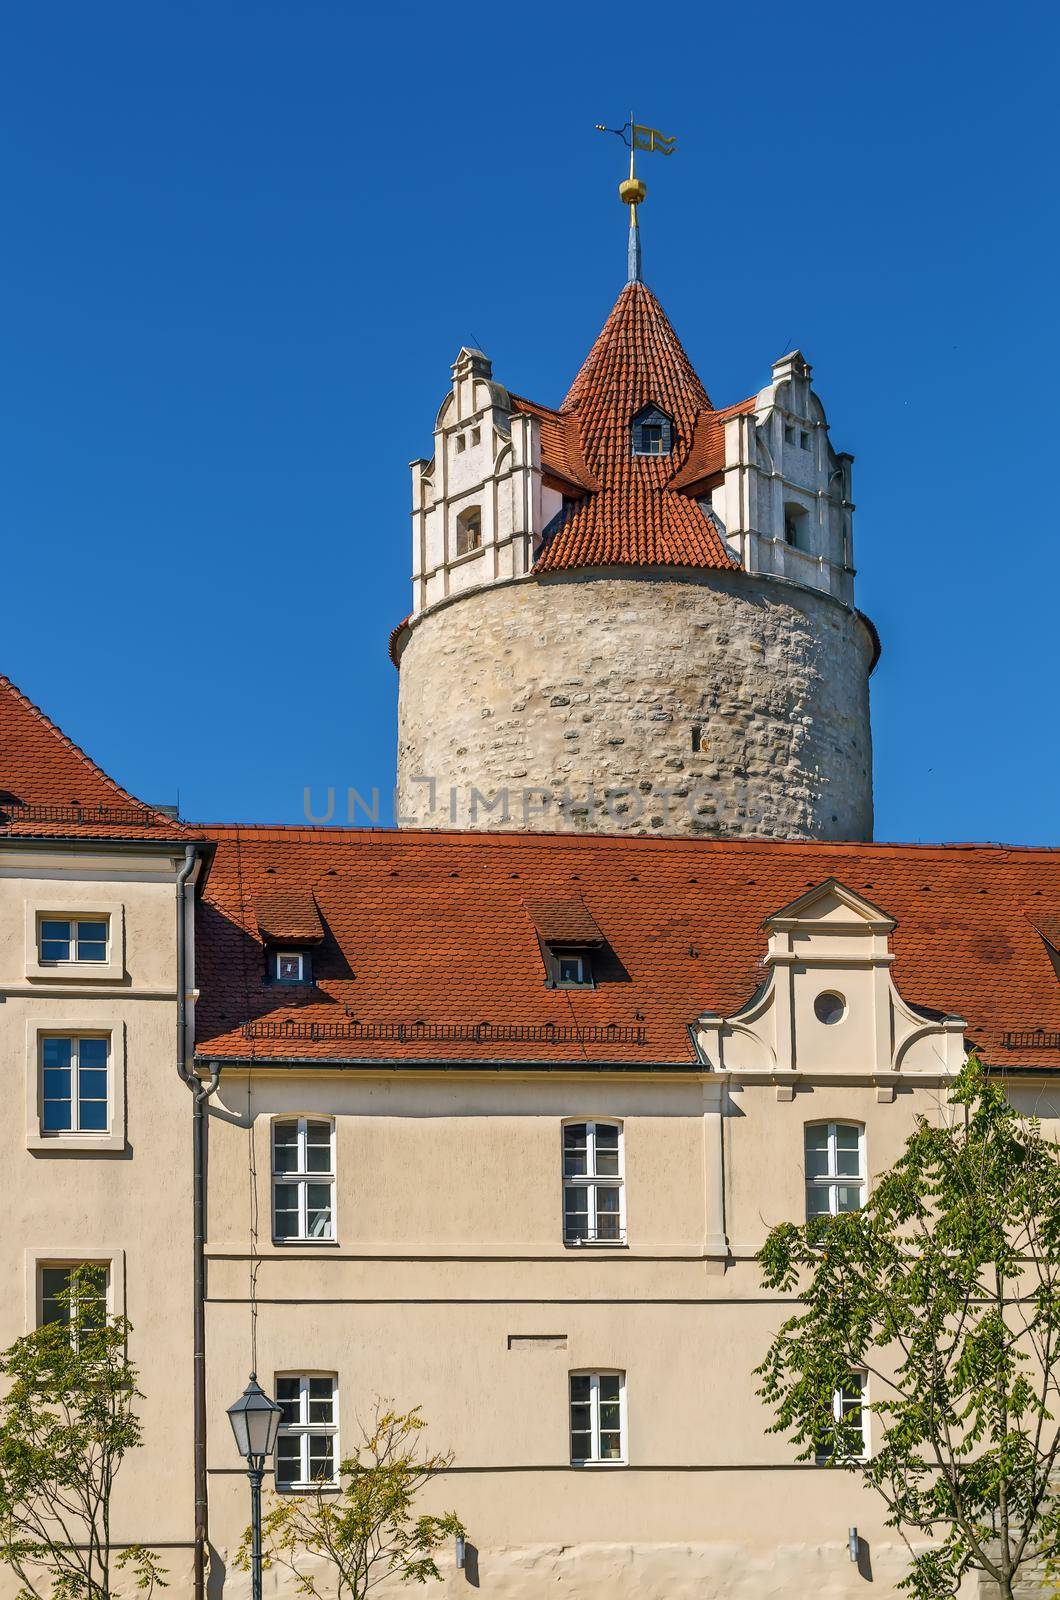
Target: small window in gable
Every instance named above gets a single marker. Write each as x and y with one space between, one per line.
652 433
469 531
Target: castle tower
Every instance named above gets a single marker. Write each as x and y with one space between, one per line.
635 613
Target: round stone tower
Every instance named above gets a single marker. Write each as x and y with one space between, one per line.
635 613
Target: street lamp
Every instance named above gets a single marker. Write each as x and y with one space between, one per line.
255 1422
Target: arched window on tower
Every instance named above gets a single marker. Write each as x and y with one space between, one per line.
652 432
469 531
796 526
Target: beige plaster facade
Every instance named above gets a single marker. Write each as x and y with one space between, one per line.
122 1196
448 1283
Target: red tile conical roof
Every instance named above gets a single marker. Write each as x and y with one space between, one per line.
636 516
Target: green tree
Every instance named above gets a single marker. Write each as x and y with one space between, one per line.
943 1290
67 1420
351 1538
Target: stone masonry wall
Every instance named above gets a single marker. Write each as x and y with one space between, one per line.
590 687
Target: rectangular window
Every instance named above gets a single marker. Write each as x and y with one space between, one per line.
288 966
82 1302
789 433
307 1443
850 1412
570 969
75 1085
597 1418
835 1168
804 440
593 1198
67 940
303 1179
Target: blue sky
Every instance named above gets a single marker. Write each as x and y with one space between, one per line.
243 243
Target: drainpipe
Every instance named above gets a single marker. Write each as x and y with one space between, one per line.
200 1094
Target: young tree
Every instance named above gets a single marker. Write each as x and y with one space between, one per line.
67 1420
943 1290
349 1540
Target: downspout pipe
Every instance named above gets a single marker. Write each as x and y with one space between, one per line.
200 1092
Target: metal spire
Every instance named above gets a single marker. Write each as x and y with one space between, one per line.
632 190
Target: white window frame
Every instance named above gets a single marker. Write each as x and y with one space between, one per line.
304 1430
74 923
77 1025
70 1264
302 1178
112 970
591 1181
75 1131
594 1374
73 1255
841 1403
288 955
831 1180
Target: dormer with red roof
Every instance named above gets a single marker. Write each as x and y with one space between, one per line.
635 611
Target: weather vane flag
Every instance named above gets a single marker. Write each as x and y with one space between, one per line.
631 191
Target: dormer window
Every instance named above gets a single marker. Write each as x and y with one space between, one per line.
289 966
469 531
652 433
571 969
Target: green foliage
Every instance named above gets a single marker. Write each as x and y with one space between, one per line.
67 1420
350 1538
944 1290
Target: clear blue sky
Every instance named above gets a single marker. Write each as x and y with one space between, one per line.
243 242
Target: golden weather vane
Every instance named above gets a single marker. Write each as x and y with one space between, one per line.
631 191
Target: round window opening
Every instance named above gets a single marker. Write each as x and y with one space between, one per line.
829 1007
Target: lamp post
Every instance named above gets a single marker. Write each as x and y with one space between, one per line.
255 1422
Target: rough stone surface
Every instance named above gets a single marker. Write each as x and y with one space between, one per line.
571 703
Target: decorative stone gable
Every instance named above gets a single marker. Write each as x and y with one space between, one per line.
479 504
829 1004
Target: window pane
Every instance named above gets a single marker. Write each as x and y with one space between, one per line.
91 1082
817 1201
285 1210
817 1151
54 1282
92 1052
607 1151
848 1196
55 941
321 1390
318 1147
92 1116
318 1210
610 1446
607 1213
56 1083
580 1386
285 1146
321 1464
580 1444
91 941
576 1213
610 1386
288 1459
56 1115
574 1157
57 1052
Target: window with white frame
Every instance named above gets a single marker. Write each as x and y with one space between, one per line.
307 1441
288 966
75 1084
850 1421
72 1293
68 939
593 1192
303 1178
597 1418
835 1168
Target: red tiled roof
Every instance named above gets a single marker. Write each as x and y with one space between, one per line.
635 516
563 922
49 787
706 456
287 915
428 953
561 451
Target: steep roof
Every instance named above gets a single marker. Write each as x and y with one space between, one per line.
636 513
50 787
430 949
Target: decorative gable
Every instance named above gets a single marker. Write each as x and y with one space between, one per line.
829 1004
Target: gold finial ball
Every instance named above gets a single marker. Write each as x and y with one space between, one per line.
631 191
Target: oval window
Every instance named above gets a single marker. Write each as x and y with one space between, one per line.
829 1007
